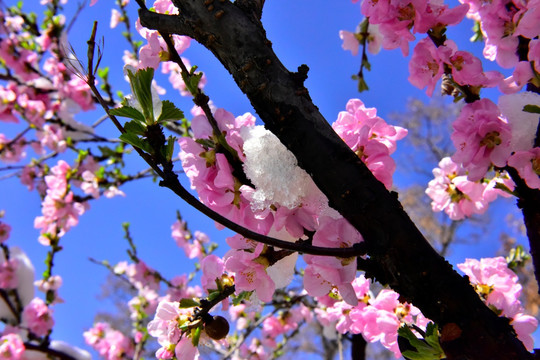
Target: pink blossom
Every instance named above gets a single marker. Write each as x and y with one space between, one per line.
498 286
529 23
437 14
425 67
350 42
143 304
249 273
525 326
339 312
77 90
150 54
467 68
11 152
90 184
379 321
11 347
495 282
38 317
482 138
8 98
212 268
520 77
52 137
109 343
452 192
165 7
324 273
370 137
527 163
165 353
52 283
534 54
193 245
142 276
116 17
113 191
395 21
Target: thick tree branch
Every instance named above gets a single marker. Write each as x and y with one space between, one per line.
407 262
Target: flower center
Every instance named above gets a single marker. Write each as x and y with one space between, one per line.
491 140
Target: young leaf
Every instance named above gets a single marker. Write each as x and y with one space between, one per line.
188 303
129 112
135 127
195 336
169 149
423 349
103 73
141 86
213 295
169 112
535 109
134 140
242 296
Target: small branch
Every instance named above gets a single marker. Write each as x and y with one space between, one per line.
248 332
80 7
529 203
5 296
173 184
170 180
14 140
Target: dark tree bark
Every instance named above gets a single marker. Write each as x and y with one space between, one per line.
358 347
398 253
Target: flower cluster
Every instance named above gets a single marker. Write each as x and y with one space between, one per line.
398 21
59 208
429 62
452 192
502 24
109 343
498 287
266 191
370 137
377 318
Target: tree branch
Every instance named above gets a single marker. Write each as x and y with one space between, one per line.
393 241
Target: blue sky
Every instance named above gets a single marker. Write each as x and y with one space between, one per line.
302 32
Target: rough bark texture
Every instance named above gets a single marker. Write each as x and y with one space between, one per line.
399 254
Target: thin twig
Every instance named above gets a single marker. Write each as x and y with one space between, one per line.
170 180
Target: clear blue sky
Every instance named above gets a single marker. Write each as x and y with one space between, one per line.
302 32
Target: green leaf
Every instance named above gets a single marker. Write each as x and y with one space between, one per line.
134 140
103 73
169 148
129 112
195 336
213 295
141 85
169 112
189 303
135 127
477 30
432 336
535 109
366 64
362 85
242 296
425 349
